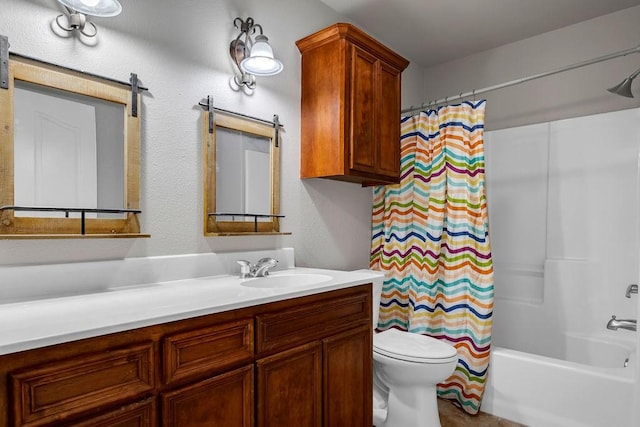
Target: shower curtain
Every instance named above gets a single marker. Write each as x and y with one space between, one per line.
430 238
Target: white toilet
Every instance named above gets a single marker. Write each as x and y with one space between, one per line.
406 369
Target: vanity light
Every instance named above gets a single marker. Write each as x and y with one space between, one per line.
78 9
252 58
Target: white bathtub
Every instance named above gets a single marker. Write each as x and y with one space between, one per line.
592 387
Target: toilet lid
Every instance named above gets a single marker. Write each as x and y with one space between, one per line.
410 346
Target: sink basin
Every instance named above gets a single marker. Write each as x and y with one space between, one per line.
286 280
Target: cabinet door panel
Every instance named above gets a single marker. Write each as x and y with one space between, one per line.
225 400
348 376
363 111
290 388
388 154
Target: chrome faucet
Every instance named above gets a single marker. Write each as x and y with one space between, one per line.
615 324
259 269
631 289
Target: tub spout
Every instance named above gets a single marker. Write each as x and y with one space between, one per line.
615 324
631 289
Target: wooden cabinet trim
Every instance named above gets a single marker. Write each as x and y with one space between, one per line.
355 36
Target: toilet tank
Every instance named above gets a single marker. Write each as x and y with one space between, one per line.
376 290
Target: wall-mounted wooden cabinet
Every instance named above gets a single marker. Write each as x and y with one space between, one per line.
350 107
301 362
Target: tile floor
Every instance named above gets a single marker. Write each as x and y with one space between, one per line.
452 416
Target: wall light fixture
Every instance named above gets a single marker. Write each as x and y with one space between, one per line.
78 9
252 57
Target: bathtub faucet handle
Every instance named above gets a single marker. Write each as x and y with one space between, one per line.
631 289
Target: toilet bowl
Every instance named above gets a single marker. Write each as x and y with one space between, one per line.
406 369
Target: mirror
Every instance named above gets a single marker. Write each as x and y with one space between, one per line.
241 169
68 140
68 151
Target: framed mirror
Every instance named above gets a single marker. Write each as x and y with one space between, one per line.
241 176
69 154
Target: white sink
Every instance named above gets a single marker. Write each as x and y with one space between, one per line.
286 280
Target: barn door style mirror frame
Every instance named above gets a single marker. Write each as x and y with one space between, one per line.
241 162
69 152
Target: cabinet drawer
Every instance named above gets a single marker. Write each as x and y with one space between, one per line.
312 321
206 350
61 390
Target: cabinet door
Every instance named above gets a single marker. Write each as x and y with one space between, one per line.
388 154
290 388
225 400
141 414
363 137
348 377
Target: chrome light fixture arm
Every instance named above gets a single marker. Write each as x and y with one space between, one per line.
77 22
77 11
240 48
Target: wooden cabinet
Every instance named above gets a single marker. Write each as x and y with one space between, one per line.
299 362
350 107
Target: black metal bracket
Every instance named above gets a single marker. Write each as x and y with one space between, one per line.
254 216
134 94
276 125
83 212
4 62
208 107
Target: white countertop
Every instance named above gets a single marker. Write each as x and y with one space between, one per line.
37 323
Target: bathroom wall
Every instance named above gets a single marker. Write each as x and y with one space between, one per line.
571 94
180 52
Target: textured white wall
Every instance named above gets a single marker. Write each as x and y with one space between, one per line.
180 52
571 94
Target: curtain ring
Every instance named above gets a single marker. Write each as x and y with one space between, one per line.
461 98
473 94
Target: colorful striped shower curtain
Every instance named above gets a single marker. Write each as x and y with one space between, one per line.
430 237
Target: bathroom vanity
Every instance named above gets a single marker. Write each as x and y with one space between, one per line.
301 359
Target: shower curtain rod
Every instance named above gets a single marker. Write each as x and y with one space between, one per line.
523 80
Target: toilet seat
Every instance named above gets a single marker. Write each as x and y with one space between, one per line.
412 347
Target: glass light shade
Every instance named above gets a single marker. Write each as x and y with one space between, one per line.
261 61
101 8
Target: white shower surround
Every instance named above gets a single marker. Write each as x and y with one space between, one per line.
564 215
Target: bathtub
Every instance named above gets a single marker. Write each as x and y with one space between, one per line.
590 386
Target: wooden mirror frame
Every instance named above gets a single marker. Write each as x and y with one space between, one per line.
214 227
40 73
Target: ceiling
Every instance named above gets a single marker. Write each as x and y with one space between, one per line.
430 32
